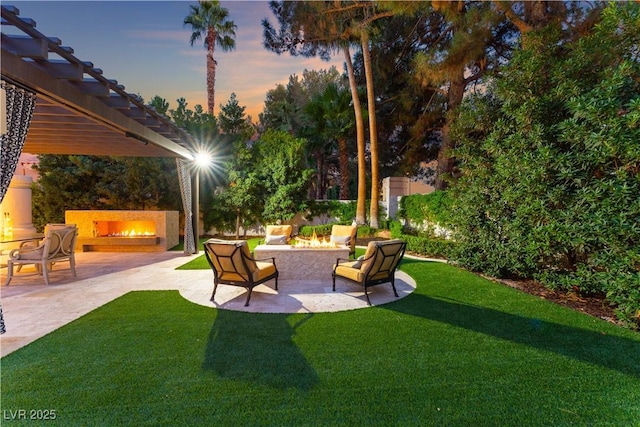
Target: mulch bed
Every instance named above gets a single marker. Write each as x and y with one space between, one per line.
593 305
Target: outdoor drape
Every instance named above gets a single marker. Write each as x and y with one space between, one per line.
20 104
185 191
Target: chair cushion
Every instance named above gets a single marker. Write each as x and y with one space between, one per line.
343 230
276 240
368 258
279 230
347 270
340 240
265 269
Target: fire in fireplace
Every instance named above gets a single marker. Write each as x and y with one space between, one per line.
124 228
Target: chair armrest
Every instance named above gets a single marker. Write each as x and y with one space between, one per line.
272 259
26 248
15 253
30 244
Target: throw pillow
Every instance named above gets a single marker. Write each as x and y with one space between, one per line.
340 240
276 240
358 263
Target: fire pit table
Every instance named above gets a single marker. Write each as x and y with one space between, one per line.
302 263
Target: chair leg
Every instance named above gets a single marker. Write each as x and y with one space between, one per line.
248 296
393 285
334 283
215 287
9 272
367 295
45 273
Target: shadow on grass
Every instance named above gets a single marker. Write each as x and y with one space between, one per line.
613 352
236 350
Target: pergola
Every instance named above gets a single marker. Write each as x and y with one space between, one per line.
79 111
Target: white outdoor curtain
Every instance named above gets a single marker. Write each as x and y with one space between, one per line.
20 104
185 191
19 110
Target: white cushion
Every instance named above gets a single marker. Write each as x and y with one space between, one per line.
341 240
276 240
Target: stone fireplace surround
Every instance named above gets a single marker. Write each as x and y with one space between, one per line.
92 223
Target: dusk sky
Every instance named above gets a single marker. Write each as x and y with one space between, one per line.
145 47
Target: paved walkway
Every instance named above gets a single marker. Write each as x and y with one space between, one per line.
32 309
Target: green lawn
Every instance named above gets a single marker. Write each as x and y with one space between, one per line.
459 351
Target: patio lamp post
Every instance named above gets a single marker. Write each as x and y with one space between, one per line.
202 160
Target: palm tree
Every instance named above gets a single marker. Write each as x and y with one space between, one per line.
332 120
209 21
318 28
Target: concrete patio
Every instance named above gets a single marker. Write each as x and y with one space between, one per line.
32 309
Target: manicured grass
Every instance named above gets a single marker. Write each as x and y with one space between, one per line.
459 351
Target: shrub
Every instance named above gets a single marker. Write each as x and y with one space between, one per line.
320 230
433 207
425 246
551 164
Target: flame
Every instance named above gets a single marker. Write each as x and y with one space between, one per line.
133 233
315 242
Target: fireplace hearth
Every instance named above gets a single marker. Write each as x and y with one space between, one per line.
125 231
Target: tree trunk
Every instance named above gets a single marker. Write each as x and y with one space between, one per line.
446 161
211 71
237 224
361 209
344 168
373 132
319 175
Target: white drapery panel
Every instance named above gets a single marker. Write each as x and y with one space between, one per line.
187 205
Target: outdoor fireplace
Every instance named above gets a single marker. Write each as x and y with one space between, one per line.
125 231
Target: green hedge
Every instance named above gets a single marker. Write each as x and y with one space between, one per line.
325 230
551 163
425 246
433 207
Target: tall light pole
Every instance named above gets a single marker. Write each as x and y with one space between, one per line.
202 160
